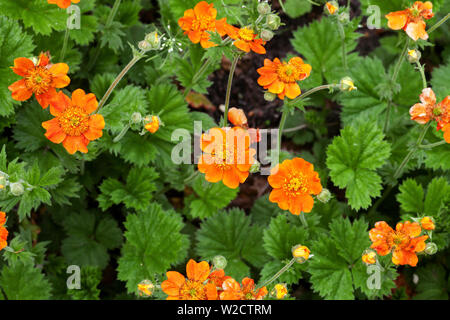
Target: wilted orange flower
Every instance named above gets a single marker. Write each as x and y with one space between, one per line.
3 231
232 290
227 155
177 287
427 223
369 257
245 39
404 242
40 79
153 125
73 124
63 4
293 183
281 78
411 19
198 21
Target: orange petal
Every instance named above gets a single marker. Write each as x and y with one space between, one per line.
59 69
204 9
257 47
213 174
44 99
231 178
79 98
276 87
54 132
397 20
428 97
176 278
243 45
278 196
197 271
74 144
419 113
292 90
416 30
90 103
22 66
19 91
59 103
96 125
267 79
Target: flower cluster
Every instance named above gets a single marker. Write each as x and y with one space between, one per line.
72 125
204 283
3 231
412 19
428 110
404 242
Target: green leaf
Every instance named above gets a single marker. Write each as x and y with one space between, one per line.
88 24
89 280
89 238
437 194
36 14
24 282
296 8
16 43
353 158
440 79
330 273
208 198
136 193
154 242
230 234
411 196
432 283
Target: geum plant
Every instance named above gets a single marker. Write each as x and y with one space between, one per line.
92 162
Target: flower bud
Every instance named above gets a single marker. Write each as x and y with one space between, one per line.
2 181
220 262
136 117
431 248
331 7
269 96
427 223
414 55
369 257
324 196
273 21
346 84
16 189
279 291
153 40
146 288
301 253
264 8
255 167
153 125
266 35
344 17
144 45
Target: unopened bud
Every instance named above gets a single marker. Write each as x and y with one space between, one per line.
154 40
427 223
331 7
144 45
220 262
146 288
414 55
136 117
264 8
273 21
267 35
369 257
431 248
279 291
301 253
269 96
344 17
255 167
324 196
346 84
16 189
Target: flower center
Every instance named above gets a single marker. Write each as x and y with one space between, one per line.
203 23
39 80
296 185
400 238
287 73
246 34
74 121
193 290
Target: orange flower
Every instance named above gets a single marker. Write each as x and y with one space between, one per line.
73 125
198 21
331 7
40 79
404 242
177 287
281 78
63 4
237 117
369 257
301 253
427 223
293 182
245 39
232 290
3 231
153 125
411 19
227 156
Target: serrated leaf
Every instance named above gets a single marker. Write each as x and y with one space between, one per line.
154 242
353 158
432 283
296 8
438 191
411 196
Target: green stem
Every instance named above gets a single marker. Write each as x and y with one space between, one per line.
439 23
279 273
108 23
281 127
309 92
64 47
228 94
408 157
422 73
303 219
198 75
432 145
122 133
113 85
344 50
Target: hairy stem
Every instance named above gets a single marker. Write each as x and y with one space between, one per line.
228 95
432 145
303 219
281 127
343 46
279 273
439 23
64 47
422 73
